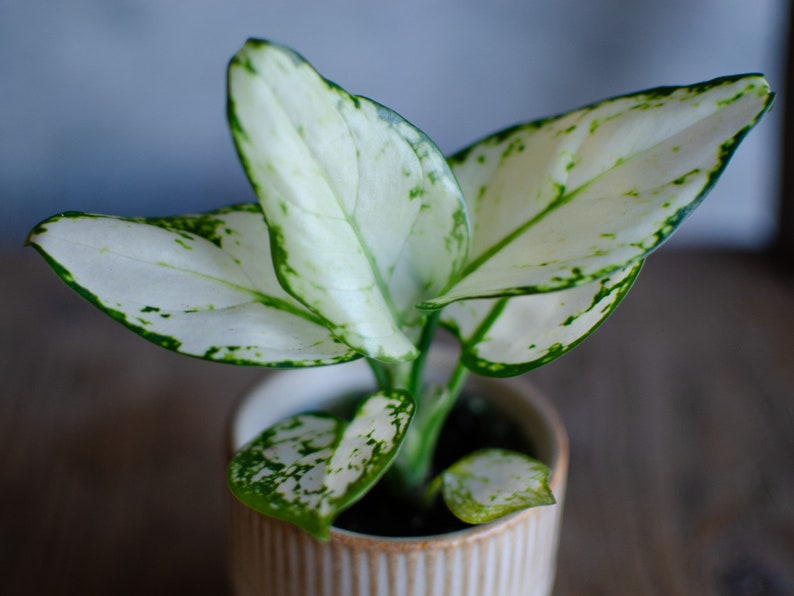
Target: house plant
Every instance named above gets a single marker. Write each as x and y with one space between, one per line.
366 239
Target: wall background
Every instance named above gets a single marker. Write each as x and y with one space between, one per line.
118 107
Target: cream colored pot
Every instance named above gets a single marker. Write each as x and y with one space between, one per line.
515 555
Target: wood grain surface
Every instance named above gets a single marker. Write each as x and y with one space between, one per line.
680 411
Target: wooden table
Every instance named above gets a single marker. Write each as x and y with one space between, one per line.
680 411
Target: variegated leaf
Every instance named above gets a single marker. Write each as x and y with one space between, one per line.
509 336
563 201
491 483
366 216
202 285
308 468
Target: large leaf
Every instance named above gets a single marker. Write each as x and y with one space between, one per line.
202 285
510 336
365 216
308 468
563 201
491 483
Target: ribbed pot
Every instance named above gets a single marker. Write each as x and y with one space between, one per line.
515 555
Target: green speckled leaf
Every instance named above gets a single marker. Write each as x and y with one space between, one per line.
491 483
308 468
509 336
202 285
563 201
367 219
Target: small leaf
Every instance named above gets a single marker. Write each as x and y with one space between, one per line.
308 468
563 201
202 285
504 337
491 483
366 216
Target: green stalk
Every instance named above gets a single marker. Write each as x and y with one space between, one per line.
457 381
383 376
413 465
418 365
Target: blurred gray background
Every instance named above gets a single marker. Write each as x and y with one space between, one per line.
117 106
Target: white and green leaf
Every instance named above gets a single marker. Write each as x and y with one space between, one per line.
202 285
563 201
491 483
365 215
308 468
509 336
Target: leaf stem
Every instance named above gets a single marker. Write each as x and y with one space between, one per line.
418 365
383 376
456 383
414 464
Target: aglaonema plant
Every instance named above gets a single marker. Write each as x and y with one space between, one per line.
365 239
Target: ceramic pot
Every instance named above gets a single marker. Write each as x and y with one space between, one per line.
515 555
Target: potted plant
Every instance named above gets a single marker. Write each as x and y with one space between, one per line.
365 241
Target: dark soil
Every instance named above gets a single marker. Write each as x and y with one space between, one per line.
473 424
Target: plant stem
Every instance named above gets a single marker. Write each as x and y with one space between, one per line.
414 463
457 381
383 376
418 365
